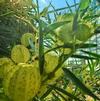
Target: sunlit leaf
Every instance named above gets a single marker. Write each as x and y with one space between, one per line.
44 12
56 96
84 4
46 93
53 26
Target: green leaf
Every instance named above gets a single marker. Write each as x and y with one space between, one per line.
84 4
43 23
78 83
4 51
97 30
65 92
61 95
44 12
88 45
70 45
83 57
68 6
46 93
92 54
91 66
58 47
63 8
53 26
56 97
7 13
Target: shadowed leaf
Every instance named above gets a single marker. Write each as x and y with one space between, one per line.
92 54
65 92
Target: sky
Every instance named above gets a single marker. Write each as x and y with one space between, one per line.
56 3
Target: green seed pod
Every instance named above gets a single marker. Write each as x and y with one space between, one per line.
5 66
43 89
82 32
64 32
22 83
7 78
51 60
25 39
20 54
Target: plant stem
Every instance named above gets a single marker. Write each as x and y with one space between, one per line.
41 46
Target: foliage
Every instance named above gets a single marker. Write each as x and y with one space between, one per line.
64 49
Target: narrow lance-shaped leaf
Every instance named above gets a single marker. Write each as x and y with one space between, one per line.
65 92
61 95
63 8
46 93
70 9
91 53
44 12
88 45
78 83
56 97
71 46
97 30
82 57
53 26
91 66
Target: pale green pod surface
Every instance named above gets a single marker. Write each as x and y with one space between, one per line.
20 54
51 61
6 65
23 83
83 32
25 39
43 89
64 32
7 78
